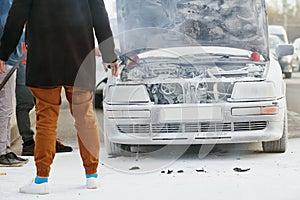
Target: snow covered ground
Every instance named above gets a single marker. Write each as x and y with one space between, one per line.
270 176
164 176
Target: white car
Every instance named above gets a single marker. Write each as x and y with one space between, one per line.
279 31
286 61
195 72
296 57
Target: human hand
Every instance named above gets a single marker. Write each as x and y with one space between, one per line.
97 52
114 68
2 69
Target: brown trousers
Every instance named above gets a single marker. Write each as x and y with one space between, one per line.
48 102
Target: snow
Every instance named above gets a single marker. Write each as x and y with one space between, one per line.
271 176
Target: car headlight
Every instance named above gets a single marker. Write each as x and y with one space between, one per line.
262 110
127 94
253 91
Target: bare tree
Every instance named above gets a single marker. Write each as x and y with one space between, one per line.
282 12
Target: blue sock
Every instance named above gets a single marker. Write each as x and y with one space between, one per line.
91 175
39 180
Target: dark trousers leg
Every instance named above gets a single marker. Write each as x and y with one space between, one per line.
24 104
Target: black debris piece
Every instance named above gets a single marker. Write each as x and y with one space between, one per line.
200 170
170 171
162 172
238 169
134 168
180 171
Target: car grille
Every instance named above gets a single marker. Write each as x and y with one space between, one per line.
250 126
191 127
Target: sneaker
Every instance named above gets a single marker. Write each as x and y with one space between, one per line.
8 161
33 188
92 183
28 150
62 148
12 155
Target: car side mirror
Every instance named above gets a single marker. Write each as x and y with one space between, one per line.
284 50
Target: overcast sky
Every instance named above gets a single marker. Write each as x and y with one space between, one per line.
109 4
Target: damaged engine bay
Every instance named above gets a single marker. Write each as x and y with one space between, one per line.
176 83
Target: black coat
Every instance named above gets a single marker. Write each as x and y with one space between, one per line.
59 38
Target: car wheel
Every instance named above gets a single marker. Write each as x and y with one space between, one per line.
278 146
98 100
288 74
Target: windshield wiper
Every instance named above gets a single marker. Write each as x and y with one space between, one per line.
227 56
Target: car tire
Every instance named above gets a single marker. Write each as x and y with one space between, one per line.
278 146
98 100
288 74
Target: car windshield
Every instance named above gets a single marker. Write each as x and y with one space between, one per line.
148 24
274 41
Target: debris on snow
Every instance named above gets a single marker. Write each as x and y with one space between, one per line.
3 174
201 170
135 168
238 169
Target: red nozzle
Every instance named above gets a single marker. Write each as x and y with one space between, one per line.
255 57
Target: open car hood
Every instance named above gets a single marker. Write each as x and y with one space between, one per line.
148 24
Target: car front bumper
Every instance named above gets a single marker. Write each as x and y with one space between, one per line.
148 124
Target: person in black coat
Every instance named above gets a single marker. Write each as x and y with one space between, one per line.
60 40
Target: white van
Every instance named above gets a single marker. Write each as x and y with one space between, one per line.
285 61
279 31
